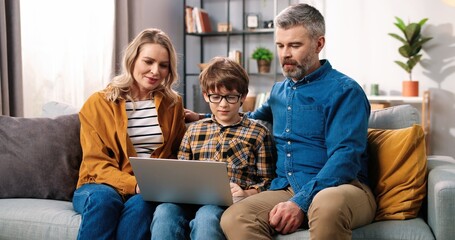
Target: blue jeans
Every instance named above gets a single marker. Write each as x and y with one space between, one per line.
184 221
105 215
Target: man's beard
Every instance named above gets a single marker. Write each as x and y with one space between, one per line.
299 71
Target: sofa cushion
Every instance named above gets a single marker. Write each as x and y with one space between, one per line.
40 157
38 219
399 116
398 170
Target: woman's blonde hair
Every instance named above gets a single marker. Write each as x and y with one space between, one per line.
120 86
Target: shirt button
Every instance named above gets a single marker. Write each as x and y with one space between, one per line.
288 155
294 88
289 142
289 173
289 107
287 130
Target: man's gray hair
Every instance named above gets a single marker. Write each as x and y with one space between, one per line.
302 15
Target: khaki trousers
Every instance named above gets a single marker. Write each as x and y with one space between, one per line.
332 214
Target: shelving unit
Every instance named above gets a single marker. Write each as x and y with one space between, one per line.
201 47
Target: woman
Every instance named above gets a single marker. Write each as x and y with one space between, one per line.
137 114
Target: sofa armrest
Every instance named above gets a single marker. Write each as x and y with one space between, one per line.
438 160
441 195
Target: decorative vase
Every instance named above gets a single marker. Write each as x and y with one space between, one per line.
410 88
374 91
263 66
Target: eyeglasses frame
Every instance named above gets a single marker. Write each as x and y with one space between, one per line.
239 96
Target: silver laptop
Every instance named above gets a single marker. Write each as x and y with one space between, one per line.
182 181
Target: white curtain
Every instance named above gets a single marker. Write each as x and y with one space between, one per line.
67 50
10 59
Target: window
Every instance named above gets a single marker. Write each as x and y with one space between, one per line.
67 50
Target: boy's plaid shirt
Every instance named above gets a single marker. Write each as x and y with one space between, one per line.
246 147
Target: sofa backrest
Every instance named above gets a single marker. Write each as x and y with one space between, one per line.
40 157
400 116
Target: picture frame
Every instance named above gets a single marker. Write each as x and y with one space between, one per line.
252 20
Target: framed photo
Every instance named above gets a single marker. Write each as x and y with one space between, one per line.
252 20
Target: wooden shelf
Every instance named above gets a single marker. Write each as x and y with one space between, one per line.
235 32
395 99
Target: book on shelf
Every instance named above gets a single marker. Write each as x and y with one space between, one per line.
236 55
205 20
201 20
189 20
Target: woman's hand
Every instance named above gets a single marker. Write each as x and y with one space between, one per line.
191 116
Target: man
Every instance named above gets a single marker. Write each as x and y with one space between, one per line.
320 120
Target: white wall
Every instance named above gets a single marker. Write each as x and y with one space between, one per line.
358 44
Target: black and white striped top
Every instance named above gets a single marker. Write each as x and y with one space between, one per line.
143 127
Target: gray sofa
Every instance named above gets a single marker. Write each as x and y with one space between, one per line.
40 157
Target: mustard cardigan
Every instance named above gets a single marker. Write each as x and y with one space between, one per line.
106 145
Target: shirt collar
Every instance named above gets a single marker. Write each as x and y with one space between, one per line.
244 121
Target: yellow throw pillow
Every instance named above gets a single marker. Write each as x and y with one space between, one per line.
398 171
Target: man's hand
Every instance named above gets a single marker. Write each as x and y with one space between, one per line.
286 217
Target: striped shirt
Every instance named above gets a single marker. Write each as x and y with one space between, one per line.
143 127
246 147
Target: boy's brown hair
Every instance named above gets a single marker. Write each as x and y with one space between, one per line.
224 72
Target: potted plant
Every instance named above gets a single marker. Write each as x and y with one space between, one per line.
412 44
264 57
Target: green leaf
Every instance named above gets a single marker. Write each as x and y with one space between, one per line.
423 21
404 66
396 36
412 32
405 51
400 24
412 62
422 41
262 53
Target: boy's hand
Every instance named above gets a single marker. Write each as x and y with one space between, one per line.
236 190
238 193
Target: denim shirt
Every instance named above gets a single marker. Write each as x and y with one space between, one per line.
320 128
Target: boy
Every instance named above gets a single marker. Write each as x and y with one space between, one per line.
227 136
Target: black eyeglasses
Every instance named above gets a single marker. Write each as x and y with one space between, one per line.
216 98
